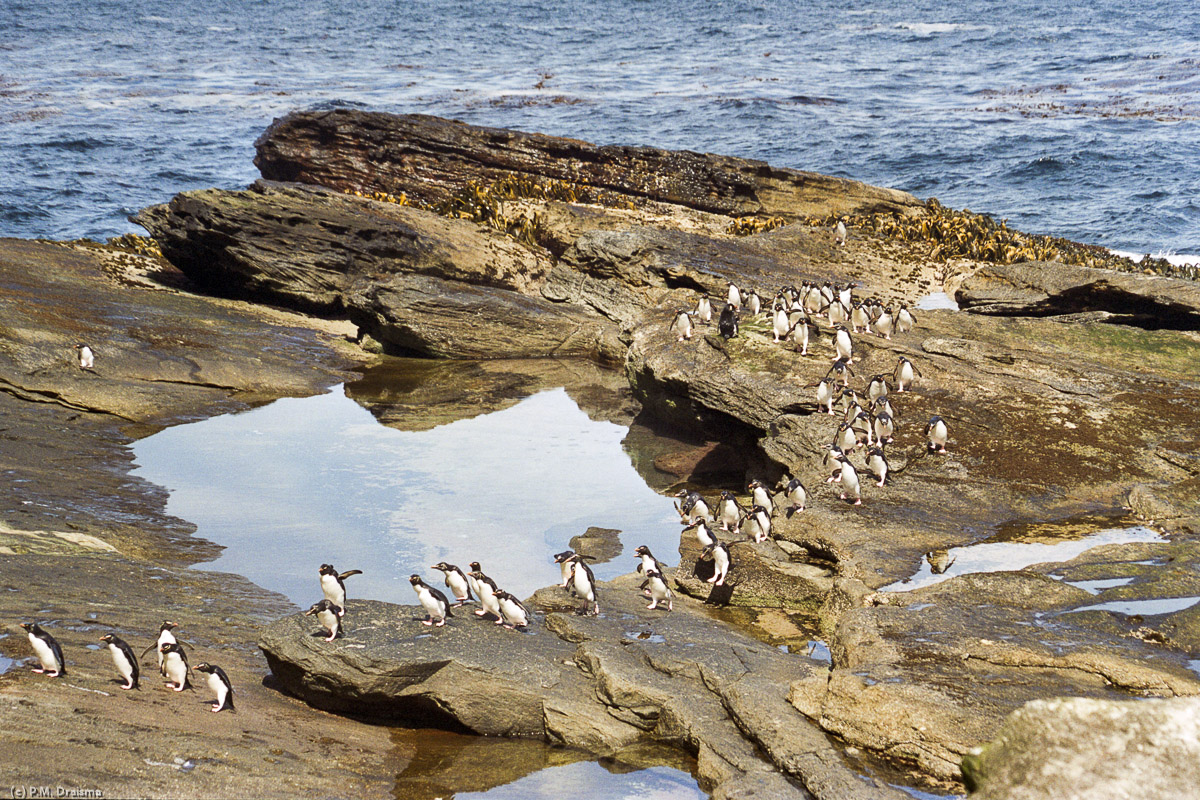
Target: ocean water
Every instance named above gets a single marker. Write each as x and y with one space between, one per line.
1075 119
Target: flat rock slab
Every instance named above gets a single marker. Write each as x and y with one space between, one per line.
600 683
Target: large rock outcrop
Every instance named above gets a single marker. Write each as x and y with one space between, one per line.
430 158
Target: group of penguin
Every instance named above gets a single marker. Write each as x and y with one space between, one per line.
172 662
794 311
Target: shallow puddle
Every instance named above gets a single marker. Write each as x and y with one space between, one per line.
938 301
1145 608
301 482
1013 555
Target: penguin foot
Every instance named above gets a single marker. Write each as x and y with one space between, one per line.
440 622
858 501
215 708
880 484
713 579
500 622
479 612
329 638
427 622
39 670
179 688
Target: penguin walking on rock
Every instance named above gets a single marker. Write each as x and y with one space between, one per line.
512 614
437 607
843 345
904 374
682 326
456 581
885 428
47 649
839 233
877 388
799 332
885 323
841 372
693 507
797 495
761 495
729 511
86 358
832 462
655 587
218 681
333 584
584 583
566 566
330 617
485 590
877 463
718 553
166 635
761 520
704 534
123 659
850 483
727 325
704 309
648 561
936 434
905 321
735 296
175 666
753 303
825 394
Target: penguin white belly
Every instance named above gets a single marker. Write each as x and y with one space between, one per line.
458 585
329 621
44 654
490 603
850 483
334 592
176 670
124 668
219 688
781 325
513 614
763 498
165 637
721 562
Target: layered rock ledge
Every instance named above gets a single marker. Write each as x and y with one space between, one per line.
1063 421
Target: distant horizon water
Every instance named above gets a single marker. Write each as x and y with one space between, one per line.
1079 120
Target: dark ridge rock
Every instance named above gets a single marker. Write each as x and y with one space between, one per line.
1038 288
601 545
308 246
415 281
430 158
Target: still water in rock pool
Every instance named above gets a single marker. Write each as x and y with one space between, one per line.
300 482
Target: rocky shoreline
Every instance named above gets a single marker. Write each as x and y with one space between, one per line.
1069 392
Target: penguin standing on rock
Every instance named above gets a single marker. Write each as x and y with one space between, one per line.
878 464
825 394
727 325
729 511
704 309
762 523
905 321
485 590
175 666
456 581
682 326
849 481
584 583
648 561
512 614
936 434
735 296
761 495
330 617
165 636
437 607
693 507
333 584
798 495
47 650
843 344
904 374
704 534
718 553
87 359
123 659
566 565
655 587
218 681
839 233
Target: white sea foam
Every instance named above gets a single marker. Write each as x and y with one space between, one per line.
932 28
1178 259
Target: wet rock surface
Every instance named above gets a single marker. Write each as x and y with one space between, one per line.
1057 417
601 683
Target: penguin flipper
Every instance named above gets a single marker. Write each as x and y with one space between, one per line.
148 649
348 573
